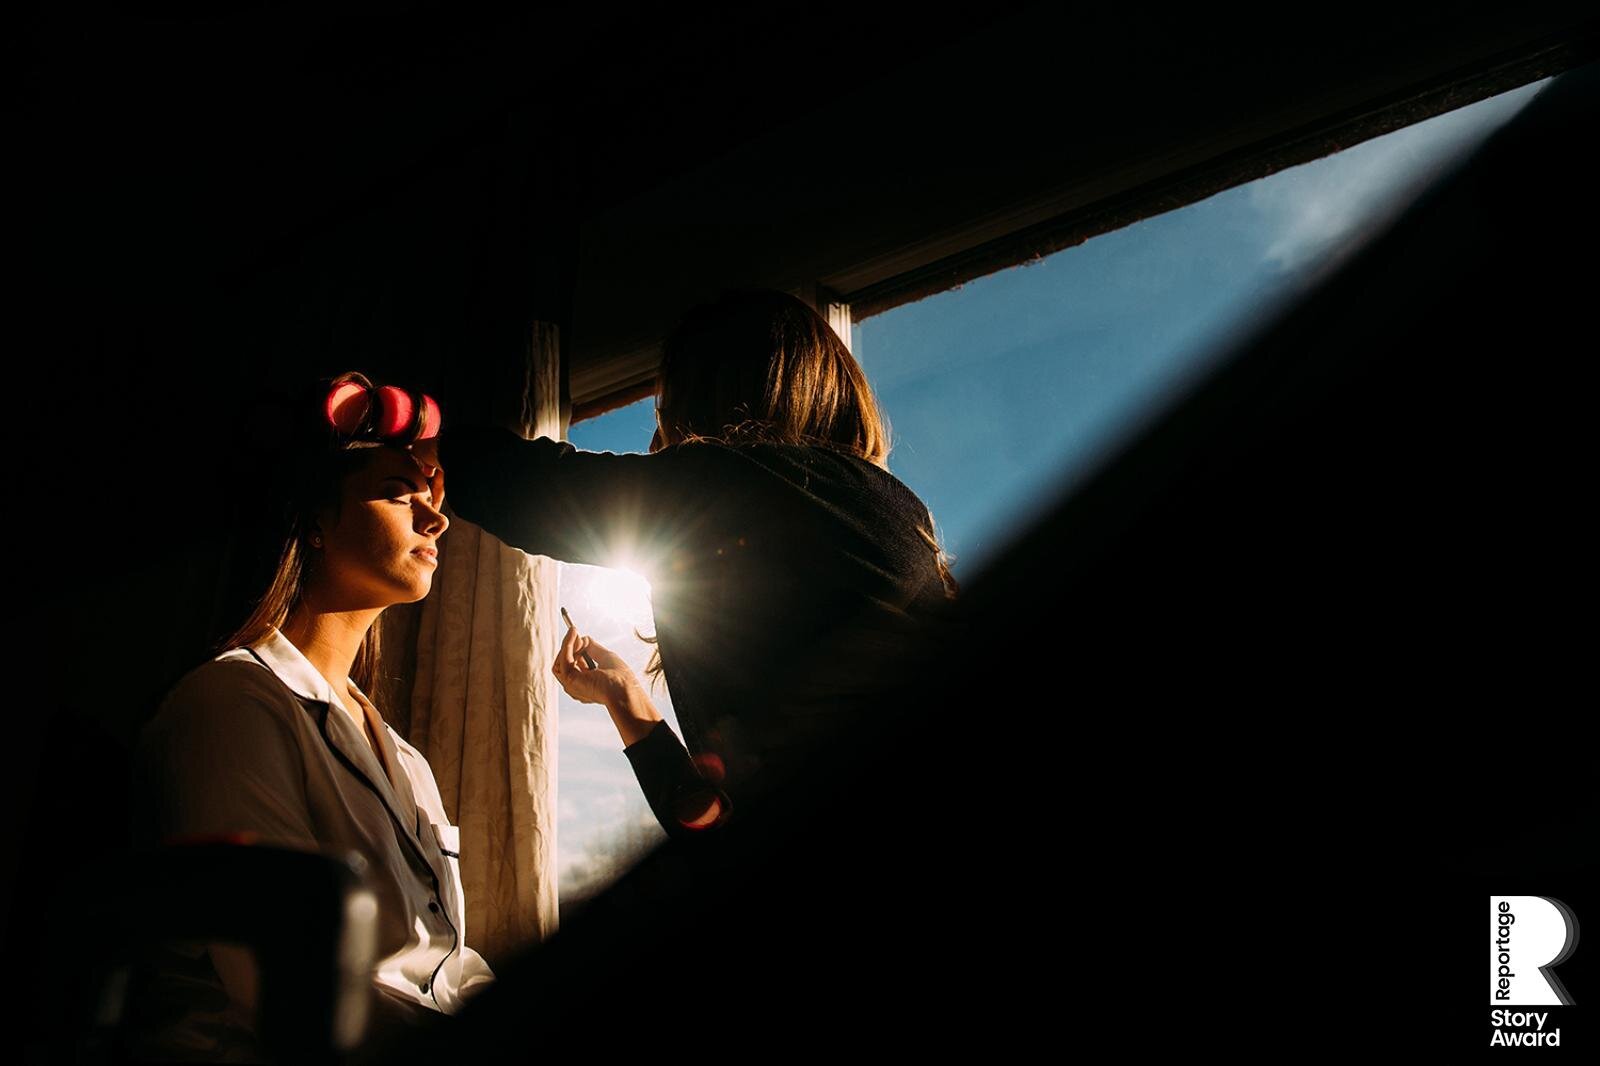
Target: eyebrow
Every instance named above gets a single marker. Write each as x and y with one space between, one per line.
412 485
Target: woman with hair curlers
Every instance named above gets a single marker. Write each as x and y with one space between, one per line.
276 740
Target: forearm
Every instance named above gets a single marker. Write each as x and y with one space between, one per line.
633 713
548 498
682 799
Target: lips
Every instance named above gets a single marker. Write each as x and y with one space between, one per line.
427 553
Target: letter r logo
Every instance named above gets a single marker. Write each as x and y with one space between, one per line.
1528 937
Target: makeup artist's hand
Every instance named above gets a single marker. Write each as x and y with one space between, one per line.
426 453
606 682
611 682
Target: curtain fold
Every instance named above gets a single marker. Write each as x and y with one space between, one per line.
484 703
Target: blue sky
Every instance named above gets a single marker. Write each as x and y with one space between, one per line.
1003 393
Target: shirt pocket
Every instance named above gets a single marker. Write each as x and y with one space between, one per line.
448 837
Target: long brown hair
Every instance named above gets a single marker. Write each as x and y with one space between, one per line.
311 463
761 366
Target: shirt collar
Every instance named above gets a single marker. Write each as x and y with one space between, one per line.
394 786
296 671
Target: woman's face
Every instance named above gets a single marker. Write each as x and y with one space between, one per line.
377 551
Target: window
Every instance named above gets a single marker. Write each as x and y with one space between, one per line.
603 824
1005 391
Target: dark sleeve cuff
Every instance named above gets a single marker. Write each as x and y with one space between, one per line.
683 801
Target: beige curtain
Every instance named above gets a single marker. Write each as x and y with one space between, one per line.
483 704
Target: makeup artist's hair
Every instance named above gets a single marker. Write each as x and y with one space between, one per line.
760 366
309 462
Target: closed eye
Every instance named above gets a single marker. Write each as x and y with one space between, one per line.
412 485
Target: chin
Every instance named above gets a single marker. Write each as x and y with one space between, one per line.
414 590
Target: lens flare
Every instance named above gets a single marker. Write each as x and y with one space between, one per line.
701 810
618 594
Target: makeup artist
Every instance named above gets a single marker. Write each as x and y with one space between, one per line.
767 521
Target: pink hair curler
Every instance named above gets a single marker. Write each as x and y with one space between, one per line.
384 415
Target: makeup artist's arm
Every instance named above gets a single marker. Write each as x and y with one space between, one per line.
683 801
549 498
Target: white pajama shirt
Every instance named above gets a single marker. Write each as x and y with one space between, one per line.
257 741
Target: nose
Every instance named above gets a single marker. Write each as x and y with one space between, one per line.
433 520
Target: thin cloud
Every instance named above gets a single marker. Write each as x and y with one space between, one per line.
588 725
592 868
1324 208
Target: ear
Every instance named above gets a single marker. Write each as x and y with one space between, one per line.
324 520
